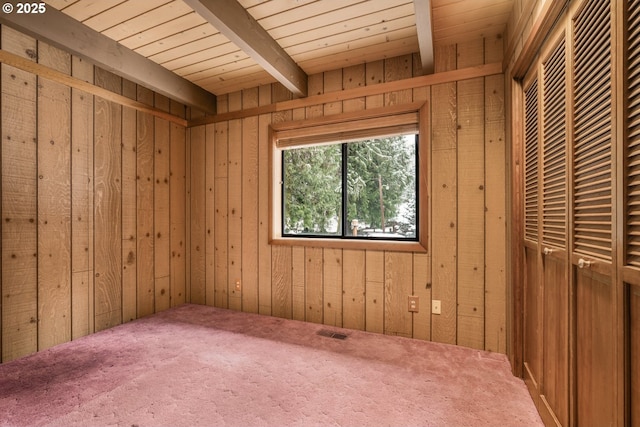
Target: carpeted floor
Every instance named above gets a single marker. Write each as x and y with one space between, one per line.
201 366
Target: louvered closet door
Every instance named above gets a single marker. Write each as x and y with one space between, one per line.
554 224
593 156
632 234
532 286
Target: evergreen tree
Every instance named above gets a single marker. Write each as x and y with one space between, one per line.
380 180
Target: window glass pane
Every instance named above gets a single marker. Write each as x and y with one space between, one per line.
313 190
381 188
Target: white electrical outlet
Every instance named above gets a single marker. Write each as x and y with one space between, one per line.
436 307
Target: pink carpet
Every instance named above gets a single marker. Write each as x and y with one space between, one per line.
201 366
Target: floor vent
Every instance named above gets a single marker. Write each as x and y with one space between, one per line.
331 334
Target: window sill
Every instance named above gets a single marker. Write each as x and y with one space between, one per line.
377 245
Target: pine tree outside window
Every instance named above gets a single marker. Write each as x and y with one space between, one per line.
356 180
364 189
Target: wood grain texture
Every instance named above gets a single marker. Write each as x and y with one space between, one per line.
19 203
332 291
264 249
145 238
77 164
445 197
208 133
108 206
198 216
398 285
234 213
82 316
533 317
298 283
555 336
281 259
422 289
250 206
374 289
595 343
177 208
129 206
353 295
314 282
221 215
54 203
495 216
471 200
161 221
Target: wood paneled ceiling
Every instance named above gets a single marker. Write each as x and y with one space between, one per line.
319 35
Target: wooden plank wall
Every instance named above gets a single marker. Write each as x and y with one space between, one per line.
93 203
364 290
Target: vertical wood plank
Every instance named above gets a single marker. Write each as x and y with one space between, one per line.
264 249
161 226
398 285
177 210
316 87
54 202
398 68
234 208
82 203
144 190
332 83
129 206
19 202
314 280
250 206
354 77
353 298
332 287
221 217
495 217
281 257
374 288
108 205
298 283
374 74
444 196
198 216
210 214
471 195
422 289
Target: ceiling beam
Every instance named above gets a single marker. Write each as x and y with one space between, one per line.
425 34
235 23
60 30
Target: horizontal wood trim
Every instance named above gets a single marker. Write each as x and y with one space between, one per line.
376 245
415 82
56 76
349 116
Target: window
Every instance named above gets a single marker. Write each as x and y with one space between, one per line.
364 189
354 180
